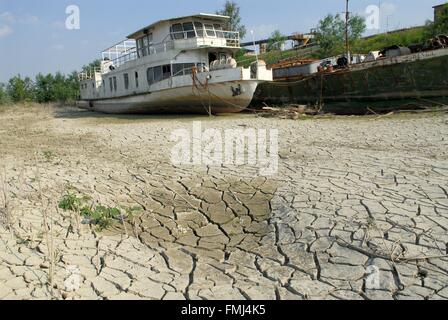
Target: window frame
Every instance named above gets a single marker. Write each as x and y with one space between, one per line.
177 35
150 76
207 29
126 81
189 33
158 74
166 71
219 31
115 83
199 30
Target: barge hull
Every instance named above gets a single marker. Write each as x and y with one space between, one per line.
379 85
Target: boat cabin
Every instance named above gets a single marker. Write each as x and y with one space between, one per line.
160 51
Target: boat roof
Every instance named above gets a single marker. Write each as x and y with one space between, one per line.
214 17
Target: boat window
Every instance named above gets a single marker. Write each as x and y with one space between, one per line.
178 69
115 83
201 67
150 76
219 32
111 85
189 30
126 81
166 71
158 76
177 31
136 79
140 47
145 46
209 30
188 68
199 29
222 56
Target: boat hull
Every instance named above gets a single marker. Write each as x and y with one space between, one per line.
380 85
227 97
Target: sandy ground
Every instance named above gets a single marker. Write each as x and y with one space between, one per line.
357 210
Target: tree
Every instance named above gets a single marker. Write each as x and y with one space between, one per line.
20 90
439 26
58 87
94 65
44 86
276 40
3 94
232 10
331 33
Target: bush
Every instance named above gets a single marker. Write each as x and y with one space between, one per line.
98 215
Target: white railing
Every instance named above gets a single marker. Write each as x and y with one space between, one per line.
127 51
232 38
88 74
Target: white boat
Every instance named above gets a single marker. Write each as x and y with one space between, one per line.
181 65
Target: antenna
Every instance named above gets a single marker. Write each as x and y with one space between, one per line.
255 46
347 19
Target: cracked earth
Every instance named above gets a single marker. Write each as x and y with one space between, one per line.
358 210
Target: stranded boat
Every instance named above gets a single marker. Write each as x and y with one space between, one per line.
180 65
381 81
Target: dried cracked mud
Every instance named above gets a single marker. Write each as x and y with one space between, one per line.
357 210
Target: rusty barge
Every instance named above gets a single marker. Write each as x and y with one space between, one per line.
401 77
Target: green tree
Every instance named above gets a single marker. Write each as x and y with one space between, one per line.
232 10
3 95
66 88
276 40
95 64
56 88
44 88
438 27
20 90
330 33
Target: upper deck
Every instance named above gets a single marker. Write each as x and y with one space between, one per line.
184 33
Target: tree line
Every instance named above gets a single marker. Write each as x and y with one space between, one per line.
47 88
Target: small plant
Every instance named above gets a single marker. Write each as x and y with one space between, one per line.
103 216
48 155
99 215
70 202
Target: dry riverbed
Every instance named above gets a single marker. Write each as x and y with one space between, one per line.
357 210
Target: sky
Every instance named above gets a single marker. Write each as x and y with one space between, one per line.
34 37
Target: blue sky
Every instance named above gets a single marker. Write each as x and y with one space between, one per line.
33 37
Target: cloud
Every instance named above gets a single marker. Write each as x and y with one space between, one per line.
5 31
27 19
58 47
263 31
388 8
58 25
8 17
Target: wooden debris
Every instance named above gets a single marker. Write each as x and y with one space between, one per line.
292 112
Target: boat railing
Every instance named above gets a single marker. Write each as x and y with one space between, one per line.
127 50
88 74
232 37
